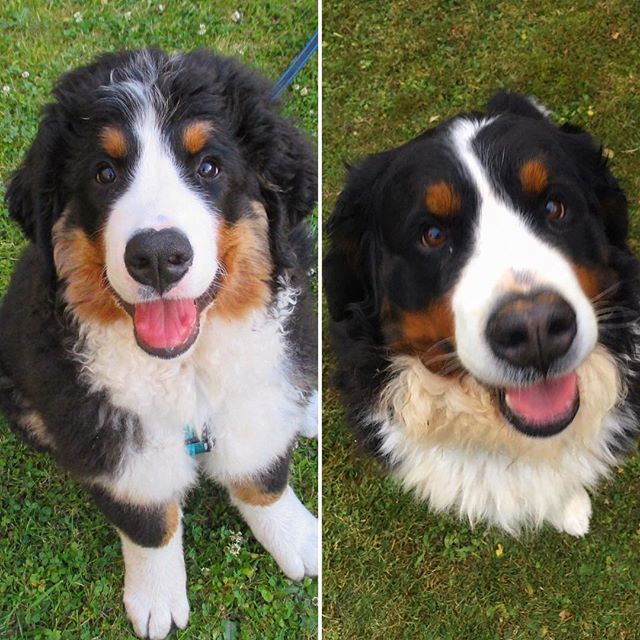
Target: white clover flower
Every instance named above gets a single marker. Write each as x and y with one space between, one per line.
202 29
296 86
6 88
304 91
236 16
77 16
127 15
160 8
25 74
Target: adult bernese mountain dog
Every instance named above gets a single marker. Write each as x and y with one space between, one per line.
165 290
484 313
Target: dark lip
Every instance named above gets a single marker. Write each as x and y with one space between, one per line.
202 303
537 430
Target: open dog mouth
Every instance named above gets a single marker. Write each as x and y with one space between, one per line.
542 409
168 327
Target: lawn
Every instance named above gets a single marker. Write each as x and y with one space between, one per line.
391 569
60 566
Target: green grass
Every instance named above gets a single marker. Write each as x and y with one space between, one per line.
60 566
391 568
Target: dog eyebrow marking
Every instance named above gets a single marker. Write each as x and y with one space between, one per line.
442 199
195 135
534 176
114 142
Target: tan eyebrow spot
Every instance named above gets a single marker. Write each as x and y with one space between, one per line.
442 199
196 135
114 142
534 177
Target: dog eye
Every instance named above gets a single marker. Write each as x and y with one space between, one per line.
208 168
106 174
555 210
434 237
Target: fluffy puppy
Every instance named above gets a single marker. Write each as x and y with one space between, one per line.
164 290
484 314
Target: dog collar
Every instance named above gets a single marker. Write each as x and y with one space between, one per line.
194 445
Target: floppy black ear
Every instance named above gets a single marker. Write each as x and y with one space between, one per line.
350 268
509 102
284 161
34 194
288 175
610 200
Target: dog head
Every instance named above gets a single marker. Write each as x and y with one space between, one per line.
161 186
484 247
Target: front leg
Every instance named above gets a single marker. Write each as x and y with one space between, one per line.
155 580
278 520
574 516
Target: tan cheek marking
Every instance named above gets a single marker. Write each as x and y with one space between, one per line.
171 521
80 262
114 142
196 135
442 199
590 280
534 177
428 333
246 267
251 493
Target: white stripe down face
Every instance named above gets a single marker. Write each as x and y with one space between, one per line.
507 258
159 197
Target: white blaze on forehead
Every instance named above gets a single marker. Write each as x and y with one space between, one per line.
159 197
506 249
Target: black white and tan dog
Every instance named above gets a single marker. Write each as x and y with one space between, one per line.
165 288
484 312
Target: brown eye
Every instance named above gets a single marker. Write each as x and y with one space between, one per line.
555 210
106 174
208 168
434 237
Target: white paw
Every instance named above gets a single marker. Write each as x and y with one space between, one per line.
576 515
288 532
155 588
309 427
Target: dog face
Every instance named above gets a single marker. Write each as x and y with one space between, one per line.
156 184
483 247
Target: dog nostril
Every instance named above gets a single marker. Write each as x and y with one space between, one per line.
177 259
515 338
559 326
140 263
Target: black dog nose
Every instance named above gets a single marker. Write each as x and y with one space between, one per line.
158 258
533 330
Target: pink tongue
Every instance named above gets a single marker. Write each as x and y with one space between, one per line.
165 324
545 402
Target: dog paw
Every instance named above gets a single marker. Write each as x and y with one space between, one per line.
153 609
576 515
155 587
288 532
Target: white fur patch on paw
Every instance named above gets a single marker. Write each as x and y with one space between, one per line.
287 531
309 427
155 587
576 515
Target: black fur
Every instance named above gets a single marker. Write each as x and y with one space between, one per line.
145 525
274 480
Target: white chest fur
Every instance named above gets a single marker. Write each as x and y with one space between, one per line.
235 379
450 446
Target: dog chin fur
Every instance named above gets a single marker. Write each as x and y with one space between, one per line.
447 442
